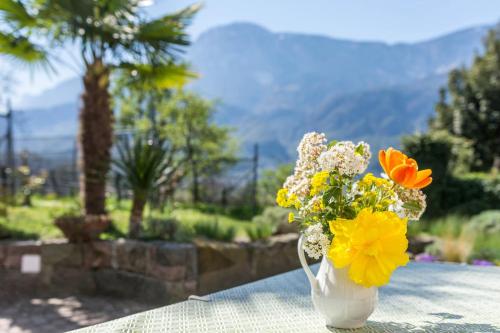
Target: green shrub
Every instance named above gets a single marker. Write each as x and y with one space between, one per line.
448 226
160 228
486 229
184 233
212 230
453 190
486 223
271 181
259 231
464 239
272 217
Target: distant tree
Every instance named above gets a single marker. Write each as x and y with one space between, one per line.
271 181
473 111
109 34
209 147
183 119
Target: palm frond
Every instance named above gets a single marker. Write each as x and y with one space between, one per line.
161 76
14 12
22 48
142 164
169 28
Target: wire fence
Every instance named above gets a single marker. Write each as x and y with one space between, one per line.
48 165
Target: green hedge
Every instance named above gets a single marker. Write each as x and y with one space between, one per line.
452 190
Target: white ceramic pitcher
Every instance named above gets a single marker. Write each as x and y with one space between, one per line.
340 301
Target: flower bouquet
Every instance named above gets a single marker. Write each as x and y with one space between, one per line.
356 223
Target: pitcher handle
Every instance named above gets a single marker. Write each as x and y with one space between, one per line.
302 258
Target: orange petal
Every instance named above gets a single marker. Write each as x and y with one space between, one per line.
399 173
411 175
411 161
381 159
421 175
393 158
423 183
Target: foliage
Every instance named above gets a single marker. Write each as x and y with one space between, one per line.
473 111
453 190
184 121
272 217
443 153
463 239
259 232
145 165
213 230
109 35
271 181
160 228
209 147
36 222
116 32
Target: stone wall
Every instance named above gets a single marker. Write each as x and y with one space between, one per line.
159 272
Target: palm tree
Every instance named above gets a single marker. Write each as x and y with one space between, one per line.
109 35
145 165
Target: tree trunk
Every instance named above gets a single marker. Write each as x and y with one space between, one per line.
138 203
496 164
95 138
196 181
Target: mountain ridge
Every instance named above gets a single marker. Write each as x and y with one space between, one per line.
276 86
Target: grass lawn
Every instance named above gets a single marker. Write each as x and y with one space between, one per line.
36 222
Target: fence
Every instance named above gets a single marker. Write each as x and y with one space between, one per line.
48 164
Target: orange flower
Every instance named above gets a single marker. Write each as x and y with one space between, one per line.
403 170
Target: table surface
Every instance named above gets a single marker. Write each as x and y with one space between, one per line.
420 298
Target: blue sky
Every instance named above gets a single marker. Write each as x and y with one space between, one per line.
383 20
388 20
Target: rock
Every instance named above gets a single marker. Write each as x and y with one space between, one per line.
222 265
133 256
14 250
98 254
277 255
173 261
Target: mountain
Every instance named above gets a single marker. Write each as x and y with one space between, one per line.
67 92
274 87
246 65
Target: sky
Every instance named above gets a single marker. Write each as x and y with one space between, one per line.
389 21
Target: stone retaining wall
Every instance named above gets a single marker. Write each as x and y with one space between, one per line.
159 272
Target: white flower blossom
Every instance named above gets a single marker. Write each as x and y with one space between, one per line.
316 242
345 157
405 195
310 148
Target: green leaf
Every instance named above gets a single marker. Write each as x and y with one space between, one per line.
161 76
14 12
360 150
21 48
412 205
332 143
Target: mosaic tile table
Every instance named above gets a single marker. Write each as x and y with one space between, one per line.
420 298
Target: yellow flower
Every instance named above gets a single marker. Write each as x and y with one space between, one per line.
291 217
372 245
369 179
282 198
319 182
285 200
318 206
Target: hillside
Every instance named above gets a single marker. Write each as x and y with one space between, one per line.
275 86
